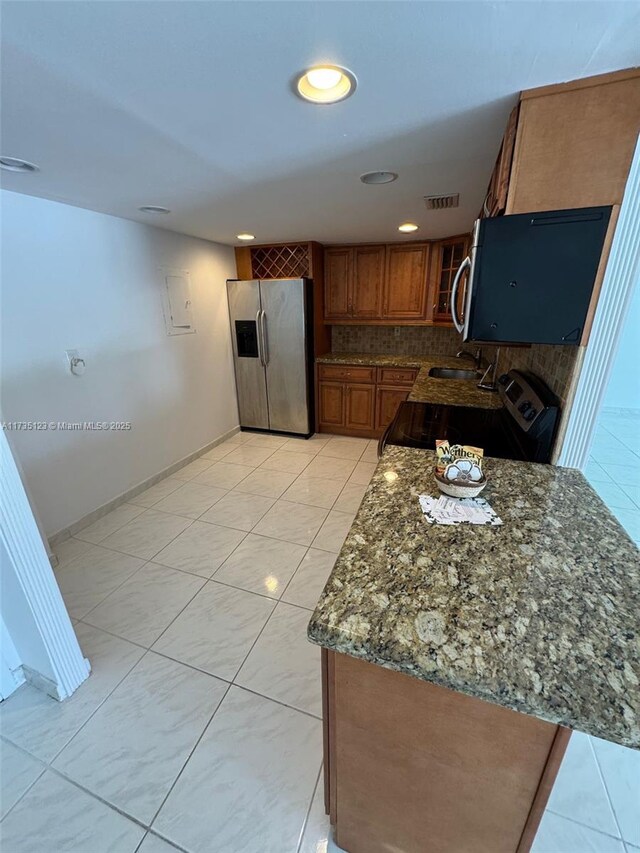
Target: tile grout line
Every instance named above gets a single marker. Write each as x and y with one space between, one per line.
282 704
605 786
585 825
124 524
30 786
308 814
188 759
57 755
211 577
146 650
150 560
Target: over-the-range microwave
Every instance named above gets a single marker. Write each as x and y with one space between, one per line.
529 277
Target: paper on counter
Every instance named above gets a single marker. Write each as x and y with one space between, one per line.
445 510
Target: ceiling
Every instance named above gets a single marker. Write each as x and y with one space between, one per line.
189 105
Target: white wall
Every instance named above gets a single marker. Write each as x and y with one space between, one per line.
72 278
623 391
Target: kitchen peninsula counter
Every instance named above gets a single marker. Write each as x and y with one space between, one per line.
448 649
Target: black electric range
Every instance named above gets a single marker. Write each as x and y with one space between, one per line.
523 429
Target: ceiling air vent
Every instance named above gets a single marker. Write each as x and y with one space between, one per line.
440 202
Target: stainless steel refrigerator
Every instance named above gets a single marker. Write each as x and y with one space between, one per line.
272 334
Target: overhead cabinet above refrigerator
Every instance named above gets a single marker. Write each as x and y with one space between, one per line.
272 334
529 277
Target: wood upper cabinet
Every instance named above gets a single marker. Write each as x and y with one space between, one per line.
495 201
405 284
575 142
337 283
353 280
367 281
446 257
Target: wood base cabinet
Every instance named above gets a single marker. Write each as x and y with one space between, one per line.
417 768
360 400
387 402
360 407
331 404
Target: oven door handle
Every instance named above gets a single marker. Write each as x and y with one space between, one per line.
382 441
457 322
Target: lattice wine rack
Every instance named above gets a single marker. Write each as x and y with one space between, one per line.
290 261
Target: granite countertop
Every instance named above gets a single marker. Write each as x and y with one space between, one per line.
427 389
539 615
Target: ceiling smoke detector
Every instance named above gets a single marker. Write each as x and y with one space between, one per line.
442 202
378 177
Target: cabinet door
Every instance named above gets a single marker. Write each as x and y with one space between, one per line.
405 290
331 396
368 278
449 256
337 283
387 402
360 407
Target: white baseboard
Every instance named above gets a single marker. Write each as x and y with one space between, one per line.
47 685
66 532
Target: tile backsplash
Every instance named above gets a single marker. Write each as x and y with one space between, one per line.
399 340
554 364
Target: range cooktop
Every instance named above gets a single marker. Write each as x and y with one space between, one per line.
523 429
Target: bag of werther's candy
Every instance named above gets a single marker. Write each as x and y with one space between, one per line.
447 453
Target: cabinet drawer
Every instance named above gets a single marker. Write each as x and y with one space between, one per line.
396 375
347 373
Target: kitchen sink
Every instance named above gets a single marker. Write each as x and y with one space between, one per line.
452 373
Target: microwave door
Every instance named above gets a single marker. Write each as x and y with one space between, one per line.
457 321
463 296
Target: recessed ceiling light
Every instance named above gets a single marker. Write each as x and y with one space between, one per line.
14 164
407 227
326 84
153 208
378 177
245 236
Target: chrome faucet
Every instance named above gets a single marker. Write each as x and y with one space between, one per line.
477 357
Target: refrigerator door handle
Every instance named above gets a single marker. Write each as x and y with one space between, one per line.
457 322
265 339
259 339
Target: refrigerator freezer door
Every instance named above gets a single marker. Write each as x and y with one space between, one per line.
284 338
244 312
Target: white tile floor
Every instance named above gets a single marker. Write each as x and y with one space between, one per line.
614 467
199 728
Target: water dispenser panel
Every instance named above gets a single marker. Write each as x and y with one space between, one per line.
247 338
